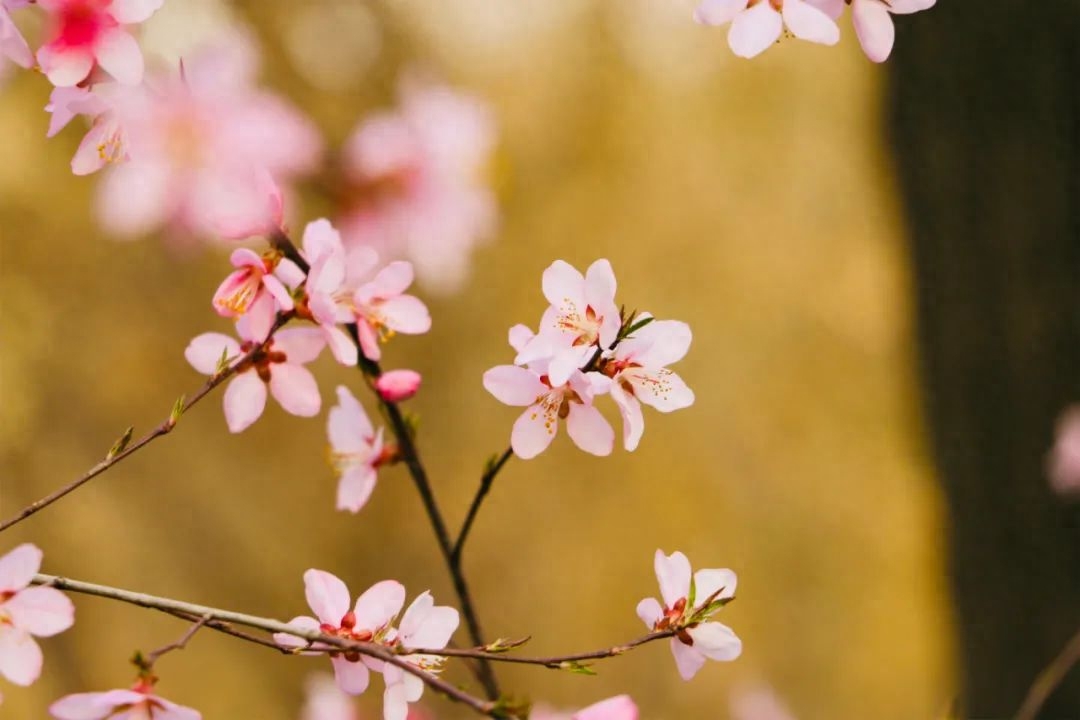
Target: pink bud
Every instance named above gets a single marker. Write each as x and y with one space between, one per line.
398 385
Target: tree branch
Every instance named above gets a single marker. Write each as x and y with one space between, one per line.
486 480
1049 679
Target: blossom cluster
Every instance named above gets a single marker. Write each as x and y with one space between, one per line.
757 24
586 347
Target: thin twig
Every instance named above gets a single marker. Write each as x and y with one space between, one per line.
486 481
216 616
152 657
555 662
123 449
1049 679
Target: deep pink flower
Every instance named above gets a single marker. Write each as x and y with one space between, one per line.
688 602
26 611
424 625
253 289
356 451
12 44
209 153
278 364
757 24
139 703
370 620
398 385
85 32
416 191
639 374
873 20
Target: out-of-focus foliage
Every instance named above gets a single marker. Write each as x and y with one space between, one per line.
752 200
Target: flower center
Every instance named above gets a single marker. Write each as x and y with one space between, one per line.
585 327
82 21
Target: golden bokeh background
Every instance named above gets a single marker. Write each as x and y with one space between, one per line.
754 200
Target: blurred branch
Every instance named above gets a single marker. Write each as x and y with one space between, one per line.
411 456
486 481
123 448
1049 679
217 619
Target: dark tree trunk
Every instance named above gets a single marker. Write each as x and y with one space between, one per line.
985 120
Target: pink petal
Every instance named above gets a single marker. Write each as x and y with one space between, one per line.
620 707
205 351
650 612
301 622
246 258
289 273
379 604
906 7
120 56
833 8
632 417
18 567
427 626
327 273
341 345
707 582
398 385
20 656
348 425
327 595
600 285
136 197
687 659
589 430
355 488
41 611
392 280
130 12
533 431
719 12
96 148
406 314
369 340
67 102
513 385
658 344
278 291
294 387
806 22
12 43
93 706
716 641
519 336
395 704
351 677
566 361
321 239
300 345
660 389
256 323
874 28
754 30
245 400
173 711
64 67
562 283
673 573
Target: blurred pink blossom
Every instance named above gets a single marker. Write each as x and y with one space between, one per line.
620 707
26 611
12 43
398 385
84 32
138 703
370 620
355 450
416 192
326 701
696 639
1063 461
757 24
758 703
210 153
279 364
873 20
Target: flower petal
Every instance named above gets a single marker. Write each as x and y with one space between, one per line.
406 314
348 425
42 611
673 572
620 707
632 417
650 612
533 431
94 705
129 12
355 488
64 67
754 30
687 659
302 622
707 582
716 641
295 389
341 345
379 604
18 567
395 705
589 430
392 280
351 677
300 345
245 400
719 12
119 55
806 22
20 656
562 283
327 595
513 385
874 28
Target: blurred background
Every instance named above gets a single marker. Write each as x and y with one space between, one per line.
761 202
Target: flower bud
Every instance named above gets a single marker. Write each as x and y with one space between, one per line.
398 385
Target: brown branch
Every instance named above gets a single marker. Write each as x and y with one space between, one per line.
122 449
486 481
147 661
218 619
555 662
1049 679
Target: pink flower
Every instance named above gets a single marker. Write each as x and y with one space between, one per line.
27 611
757 24
12 44
210 154
688 604
398 385
67 102
424 625
326 701
581 320
370 620
138 703
639 374
1063 461
620 707
253 289
382 309
85 32
356 451
547 403
873 22
278 363
758 703
415 190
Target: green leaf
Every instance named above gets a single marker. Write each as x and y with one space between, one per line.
119 446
